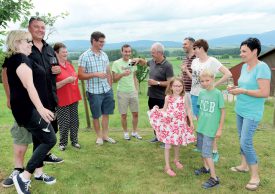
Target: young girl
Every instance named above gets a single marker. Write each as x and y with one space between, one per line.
211 119
170 123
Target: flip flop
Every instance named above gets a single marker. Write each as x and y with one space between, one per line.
252 186
236 169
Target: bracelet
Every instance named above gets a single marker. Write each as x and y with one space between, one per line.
245 91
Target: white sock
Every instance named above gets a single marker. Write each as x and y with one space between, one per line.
23 178
37 175
134 133
126 133
215 151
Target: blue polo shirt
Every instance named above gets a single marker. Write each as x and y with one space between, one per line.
248 106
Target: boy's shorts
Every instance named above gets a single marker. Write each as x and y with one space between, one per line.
205 145
20 135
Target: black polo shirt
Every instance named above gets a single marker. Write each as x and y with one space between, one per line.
159 72
44 80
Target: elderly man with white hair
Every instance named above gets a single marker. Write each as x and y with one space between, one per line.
160 71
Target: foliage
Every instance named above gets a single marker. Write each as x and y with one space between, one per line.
49 20
142 73
12 11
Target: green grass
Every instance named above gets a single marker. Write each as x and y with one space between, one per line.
137 166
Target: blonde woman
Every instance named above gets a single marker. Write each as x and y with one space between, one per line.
27 108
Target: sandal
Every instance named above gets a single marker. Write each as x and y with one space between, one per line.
236 169
170 172
178 164
252 186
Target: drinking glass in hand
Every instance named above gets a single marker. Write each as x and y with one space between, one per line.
230 83
53 61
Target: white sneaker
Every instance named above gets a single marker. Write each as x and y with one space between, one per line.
99 141
126 136
136 135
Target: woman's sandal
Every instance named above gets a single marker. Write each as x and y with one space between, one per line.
236 169
252 186
178 164
169 171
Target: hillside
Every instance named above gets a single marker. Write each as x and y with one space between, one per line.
267 39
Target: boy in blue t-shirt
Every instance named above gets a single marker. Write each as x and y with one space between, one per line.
210 123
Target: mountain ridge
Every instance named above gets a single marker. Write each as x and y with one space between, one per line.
232 41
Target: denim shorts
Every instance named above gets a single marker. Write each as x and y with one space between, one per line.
205 145
195 106
101 104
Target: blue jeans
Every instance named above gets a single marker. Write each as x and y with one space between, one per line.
246 131
195 106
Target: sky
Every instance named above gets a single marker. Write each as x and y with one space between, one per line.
158 20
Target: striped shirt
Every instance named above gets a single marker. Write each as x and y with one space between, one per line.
92 63
186 79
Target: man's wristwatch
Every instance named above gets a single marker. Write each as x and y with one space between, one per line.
158 83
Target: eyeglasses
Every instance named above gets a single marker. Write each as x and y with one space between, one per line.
35 18
27 40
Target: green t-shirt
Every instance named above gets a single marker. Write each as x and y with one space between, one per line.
126 83
210 103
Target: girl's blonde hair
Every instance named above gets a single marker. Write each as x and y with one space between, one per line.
13 39
169 90
207 73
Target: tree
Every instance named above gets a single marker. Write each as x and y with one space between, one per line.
49 20
12 11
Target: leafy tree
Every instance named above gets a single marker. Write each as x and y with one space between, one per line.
11 11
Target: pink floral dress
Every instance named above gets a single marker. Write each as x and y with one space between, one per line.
171 126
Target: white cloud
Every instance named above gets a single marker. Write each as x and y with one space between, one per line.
122 20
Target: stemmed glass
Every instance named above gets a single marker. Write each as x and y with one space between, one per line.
53 61
47 128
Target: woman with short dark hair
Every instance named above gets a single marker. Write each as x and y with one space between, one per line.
253 88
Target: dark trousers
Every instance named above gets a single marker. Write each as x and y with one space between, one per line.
42 141
153 102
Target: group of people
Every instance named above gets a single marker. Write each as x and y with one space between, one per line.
49 91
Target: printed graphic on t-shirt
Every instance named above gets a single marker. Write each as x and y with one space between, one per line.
207 106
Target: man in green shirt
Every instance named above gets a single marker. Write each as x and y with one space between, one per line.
124 72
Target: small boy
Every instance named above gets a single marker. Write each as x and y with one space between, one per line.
210 123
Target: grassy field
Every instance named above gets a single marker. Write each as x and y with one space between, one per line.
137 166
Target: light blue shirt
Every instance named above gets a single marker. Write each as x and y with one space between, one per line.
248 106
92 63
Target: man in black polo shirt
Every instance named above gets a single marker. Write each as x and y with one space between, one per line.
40 56
160 72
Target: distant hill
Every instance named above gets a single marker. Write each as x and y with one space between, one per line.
267 39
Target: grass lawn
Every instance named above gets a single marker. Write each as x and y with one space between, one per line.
137 166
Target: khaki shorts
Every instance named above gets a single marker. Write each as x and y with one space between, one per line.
20 135
127 99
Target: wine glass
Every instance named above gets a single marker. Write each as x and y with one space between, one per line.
46 129
53 61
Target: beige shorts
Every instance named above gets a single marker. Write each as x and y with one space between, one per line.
127 99
20 135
